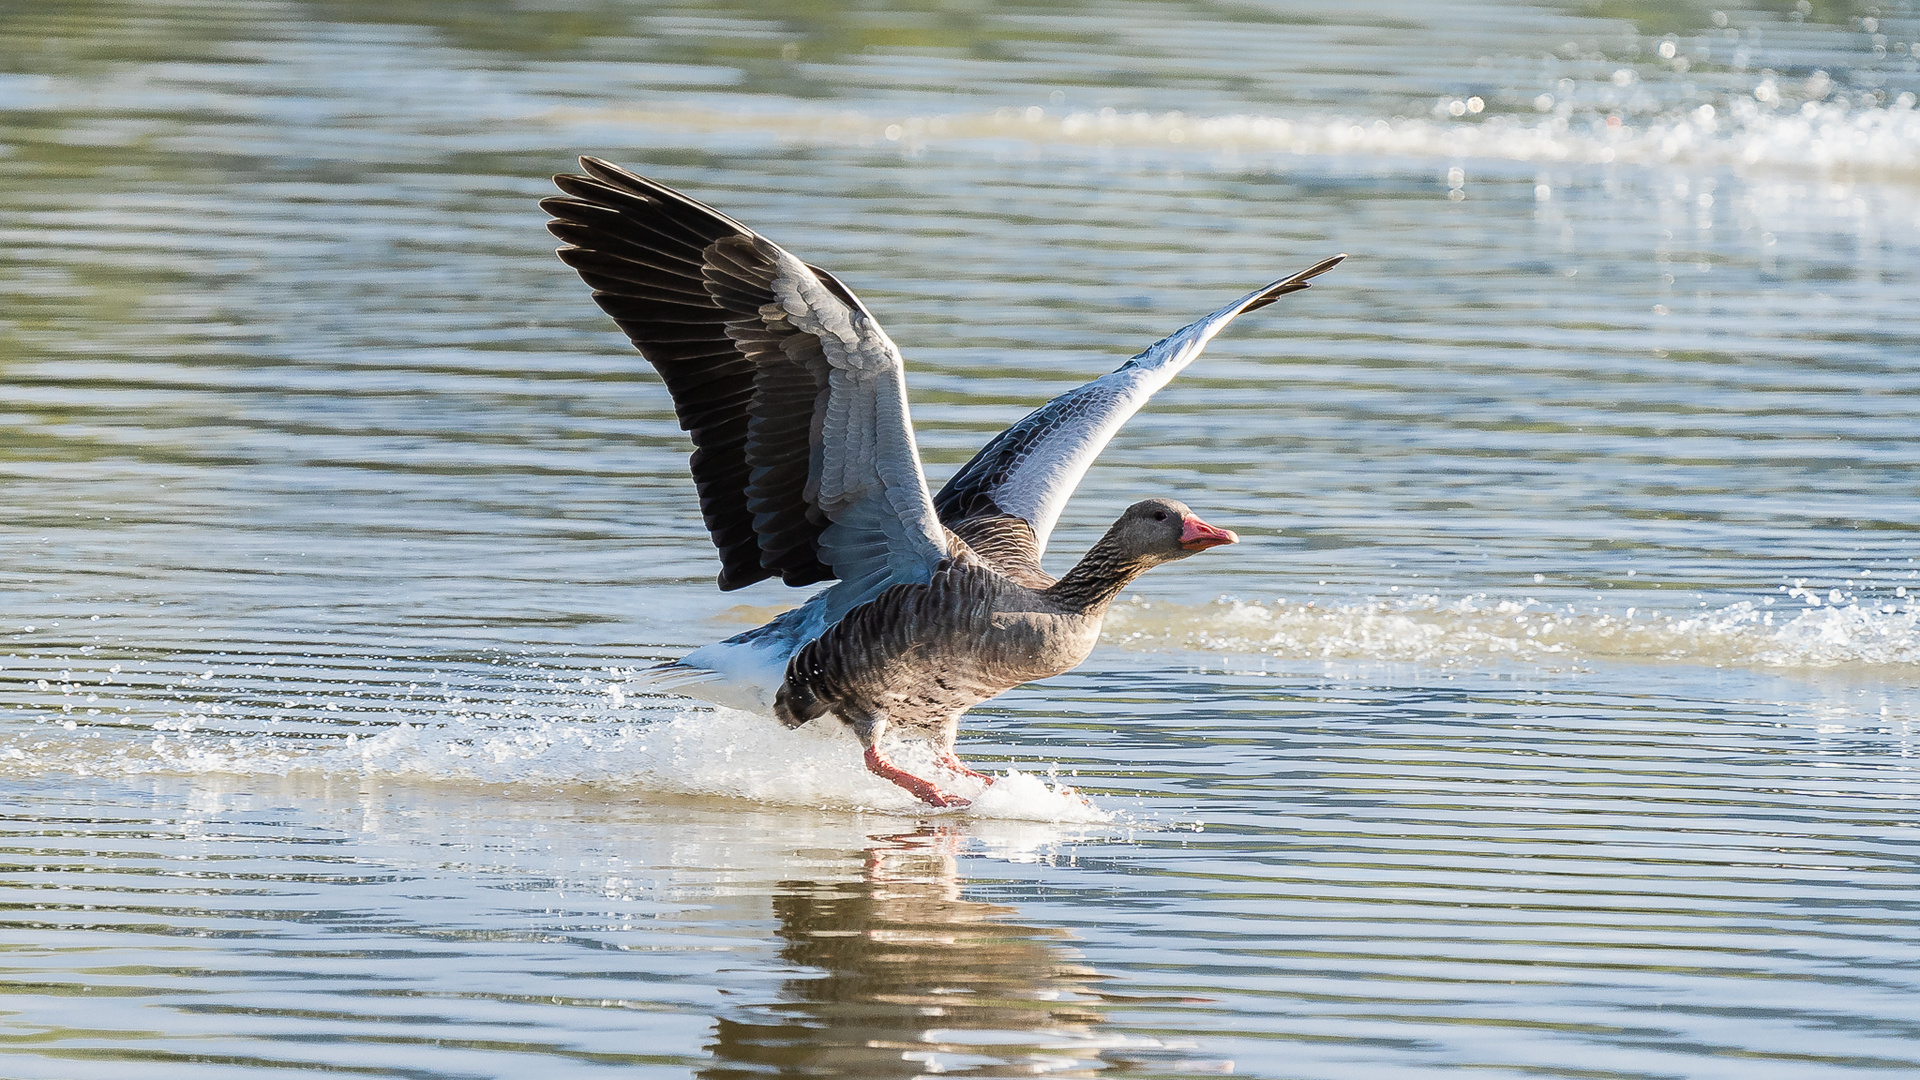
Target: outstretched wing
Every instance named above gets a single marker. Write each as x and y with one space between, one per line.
1029 471
795 398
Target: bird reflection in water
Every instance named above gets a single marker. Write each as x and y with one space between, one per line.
904 977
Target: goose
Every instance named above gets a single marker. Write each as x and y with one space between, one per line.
806 469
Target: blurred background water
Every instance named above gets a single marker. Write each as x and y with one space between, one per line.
1556 718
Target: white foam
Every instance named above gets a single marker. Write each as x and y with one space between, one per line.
632 746
1798 628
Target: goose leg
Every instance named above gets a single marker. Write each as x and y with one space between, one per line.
869 726
925 791
954 763
950 731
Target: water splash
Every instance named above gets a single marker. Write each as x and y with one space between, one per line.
1812 629
634 747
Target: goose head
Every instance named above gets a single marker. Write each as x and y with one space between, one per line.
1155 531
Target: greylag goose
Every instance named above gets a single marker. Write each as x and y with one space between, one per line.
806 468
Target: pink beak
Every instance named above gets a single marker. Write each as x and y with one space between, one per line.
1197 535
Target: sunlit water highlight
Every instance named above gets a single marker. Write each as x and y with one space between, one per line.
1818 140
1476 629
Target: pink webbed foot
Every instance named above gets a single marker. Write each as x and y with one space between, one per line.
924 791
951 762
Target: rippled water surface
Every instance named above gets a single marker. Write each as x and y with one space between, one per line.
1557 717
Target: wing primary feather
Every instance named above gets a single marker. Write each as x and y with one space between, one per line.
1294 283
804 458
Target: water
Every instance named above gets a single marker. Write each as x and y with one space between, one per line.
1557 717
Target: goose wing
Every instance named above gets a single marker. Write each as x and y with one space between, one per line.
804 454
1028 472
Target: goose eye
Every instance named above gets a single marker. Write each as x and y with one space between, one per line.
1159 515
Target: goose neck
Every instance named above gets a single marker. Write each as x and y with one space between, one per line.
1098 578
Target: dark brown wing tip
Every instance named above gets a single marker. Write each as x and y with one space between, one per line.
598 173
632 184
1295 283
613 175
558 205
561 178
1299 280
1322 266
